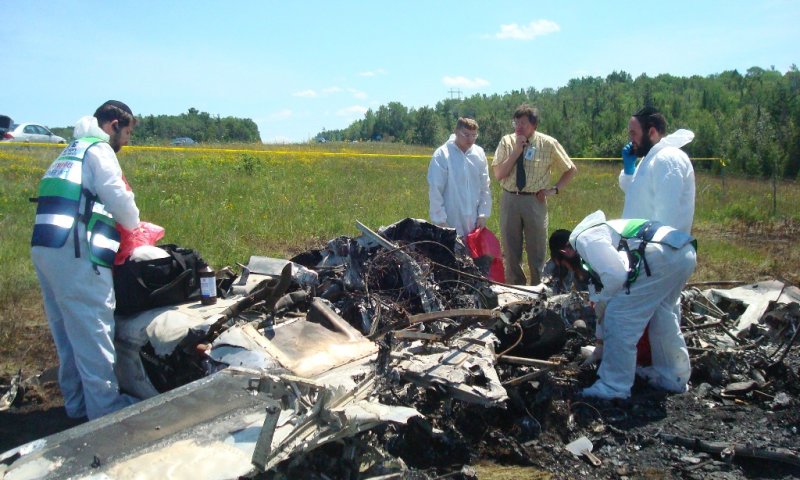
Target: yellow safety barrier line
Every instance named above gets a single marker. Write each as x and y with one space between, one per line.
231 150
313 152
276 152
32 144
619 159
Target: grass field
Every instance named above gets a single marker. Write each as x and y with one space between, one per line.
233 202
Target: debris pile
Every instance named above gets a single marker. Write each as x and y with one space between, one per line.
390 355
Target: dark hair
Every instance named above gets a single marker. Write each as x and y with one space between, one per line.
558 240
526 110
650 117
115 110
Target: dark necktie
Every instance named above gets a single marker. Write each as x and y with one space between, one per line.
521 171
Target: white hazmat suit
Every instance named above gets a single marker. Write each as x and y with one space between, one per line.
651 300
662 188
458 184
79 298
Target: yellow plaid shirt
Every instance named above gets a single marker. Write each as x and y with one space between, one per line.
550 158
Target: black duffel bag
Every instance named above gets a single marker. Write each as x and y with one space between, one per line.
161 282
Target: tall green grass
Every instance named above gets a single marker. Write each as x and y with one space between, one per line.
280 200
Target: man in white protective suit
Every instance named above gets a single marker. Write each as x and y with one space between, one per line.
662 187
640 268
82 197
458 181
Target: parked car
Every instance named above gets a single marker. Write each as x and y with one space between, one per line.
182 141
30 133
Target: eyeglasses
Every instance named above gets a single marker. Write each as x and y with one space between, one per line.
521 122
471 136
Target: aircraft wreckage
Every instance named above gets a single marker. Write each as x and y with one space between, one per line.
363 359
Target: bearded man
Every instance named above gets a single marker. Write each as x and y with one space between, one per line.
83 196
662 186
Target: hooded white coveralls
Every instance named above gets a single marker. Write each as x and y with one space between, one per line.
79 299
651 300
458 187
662 187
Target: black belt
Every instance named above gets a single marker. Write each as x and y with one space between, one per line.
518 193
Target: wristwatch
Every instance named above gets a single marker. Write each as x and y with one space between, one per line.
556 187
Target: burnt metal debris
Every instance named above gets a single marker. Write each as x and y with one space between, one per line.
390 355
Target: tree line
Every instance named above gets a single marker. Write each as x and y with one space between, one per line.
751 121
199 126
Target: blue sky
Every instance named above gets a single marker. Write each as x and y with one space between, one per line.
298 67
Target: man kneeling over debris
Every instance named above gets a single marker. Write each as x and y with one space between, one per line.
639 268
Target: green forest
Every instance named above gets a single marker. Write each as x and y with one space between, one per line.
751 121
199 126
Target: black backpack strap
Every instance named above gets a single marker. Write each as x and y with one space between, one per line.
640 250
179 280
634 258
83 217
645 234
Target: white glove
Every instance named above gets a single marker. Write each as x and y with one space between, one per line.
596 355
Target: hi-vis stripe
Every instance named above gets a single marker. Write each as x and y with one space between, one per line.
59 195
63 221
101 241
100 215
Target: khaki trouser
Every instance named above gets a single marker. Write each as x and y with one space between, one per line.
523 218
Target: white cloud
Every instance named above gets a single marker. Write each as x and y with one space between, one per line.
357 93
464 82
333 89
373 73
355 110
305 93
538 28
281 115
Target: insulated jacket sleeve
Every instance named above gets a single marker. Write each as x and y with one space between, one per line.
437 180
485 202
105 180
624 180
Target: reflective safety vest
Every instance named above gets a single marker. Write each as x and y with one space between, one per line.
643 232
58 208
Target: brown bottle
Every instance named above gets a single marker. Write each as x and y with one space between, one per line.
208 284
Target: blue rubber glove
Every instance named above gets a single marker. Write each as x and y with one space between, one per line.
628 159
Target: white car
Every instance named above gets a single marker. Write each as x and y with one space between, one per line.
30 133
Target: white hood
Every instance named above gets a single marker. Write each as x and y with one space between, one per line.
87 127
592 220
678 138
